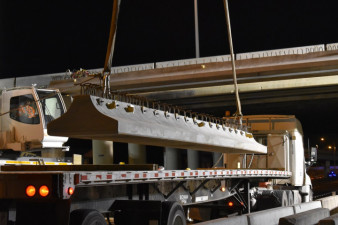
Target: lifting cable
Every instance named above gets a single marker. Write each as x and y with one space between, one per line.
238 115
110 49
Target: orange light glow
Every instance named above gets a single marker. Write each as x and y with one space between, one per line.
44 191
70 191
223 189
231 204
30 191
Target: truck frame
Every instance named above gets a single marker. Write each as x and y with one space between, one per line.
84 190
146 194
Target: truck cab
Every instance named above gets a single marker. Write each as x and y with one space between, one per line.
283 136
25 113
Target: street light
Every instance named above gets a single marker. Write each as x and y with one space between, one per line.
197 42
330 147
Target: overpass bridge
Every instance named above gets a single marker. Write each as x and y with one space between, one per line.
301 81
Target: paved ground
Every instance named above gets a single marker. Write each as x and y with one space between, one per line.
324 187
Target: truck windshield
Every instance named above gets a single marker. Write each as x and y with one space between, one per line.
51 105
23 109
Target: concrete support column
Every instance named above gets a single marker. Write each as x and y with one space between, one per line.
225 160
53 153
215 158
327 168
102 152
170 158
137 154
193 159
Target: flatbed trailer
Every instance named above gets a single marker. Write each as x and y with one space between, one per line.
140 194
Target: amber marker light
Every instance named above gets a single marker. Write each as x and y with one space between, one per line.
44 191
223 188
231 204
30 191
70 191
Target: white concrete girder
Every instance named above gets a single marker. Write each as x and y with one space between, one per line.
89 117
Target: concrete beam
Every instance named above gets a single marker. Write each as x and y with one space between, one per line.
287 84
308 217
270 216
332 220
105 119
216 73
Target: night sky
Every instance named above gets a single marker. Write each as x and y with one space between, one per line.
40 37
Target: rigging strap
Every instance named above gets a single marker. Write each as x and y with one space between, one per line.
110 48
238 113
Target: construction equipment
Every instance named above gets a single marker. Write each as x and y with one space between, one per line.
25 114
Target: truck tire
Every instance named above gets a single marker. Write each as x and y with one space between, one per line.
271 199
86 217
297 197
311 195
172 214
290 197
281 197
266 200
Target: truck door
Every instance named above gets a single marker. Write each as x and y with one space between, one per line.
52 107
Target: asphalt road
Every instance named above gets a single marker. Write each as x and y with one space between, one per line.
324 187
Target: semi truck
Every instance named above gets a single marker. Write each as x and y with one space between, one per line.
255 176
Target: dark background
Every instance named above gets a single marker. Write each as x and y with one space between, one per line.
40 37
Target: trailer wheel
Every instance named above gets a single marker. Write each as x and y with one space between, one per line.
86 217
172 214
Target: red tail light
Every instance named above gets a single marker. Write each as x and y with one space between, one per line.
44 191
70 191
30 191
